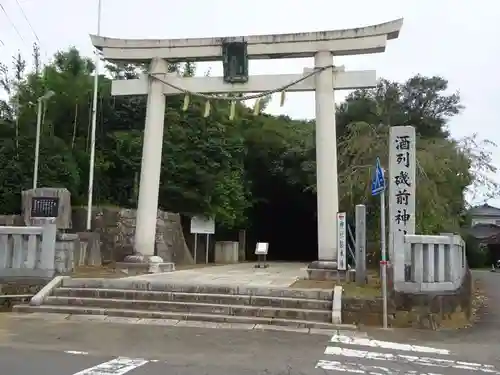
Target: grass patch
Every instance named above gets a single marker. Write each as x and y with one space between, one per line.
479 300
351 289
106 272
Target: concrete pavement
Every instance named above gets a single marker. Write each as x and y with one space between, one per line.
57 346
280 274
488 326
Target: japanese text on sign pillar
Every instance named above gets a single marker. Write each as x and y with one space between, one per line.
402 180
341 241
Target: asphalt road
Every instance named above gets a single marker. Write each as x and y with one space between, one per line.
36 346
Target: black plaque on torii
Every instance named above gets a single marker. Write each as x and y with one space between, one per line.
44 207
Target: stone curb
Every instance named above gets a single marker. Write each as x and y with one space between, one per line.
46 291
337 305
344 329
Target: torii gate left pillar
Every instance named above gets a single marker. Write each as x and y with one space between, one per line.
320 45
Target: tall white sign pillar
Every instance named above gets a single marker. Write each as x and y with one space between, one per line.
145 232
402 186
326 159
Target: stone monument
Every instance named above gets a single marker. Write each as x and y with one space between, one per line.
43 206
235 53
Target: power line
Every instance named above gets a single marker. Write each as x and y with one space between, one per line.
12 24
28 21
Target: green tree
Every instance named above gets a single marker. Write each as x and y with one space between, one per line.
420 101
255 171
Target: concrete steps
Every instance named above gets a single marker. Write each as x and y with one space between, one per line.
210 298
299 308
193 307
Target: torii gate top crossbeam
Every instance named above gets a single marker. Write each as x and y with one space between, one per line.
369 39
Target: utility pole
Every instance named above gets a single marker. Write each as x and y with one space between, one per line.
94 123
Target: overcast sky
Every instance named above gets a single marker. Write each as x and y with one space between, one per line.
457 39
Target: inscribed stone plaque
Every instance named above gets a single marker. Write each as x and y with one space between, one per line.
40 205
402 182
44 207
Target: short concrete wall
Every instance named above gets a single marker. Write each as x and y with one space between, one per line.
41 252
226 252
447 309
27 251
429 263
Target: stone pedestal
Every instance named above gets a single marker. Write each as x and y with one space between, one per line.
89 253
322 270
66 246
138 264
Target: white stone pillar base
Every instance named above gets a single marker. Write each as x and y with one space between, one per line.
137 264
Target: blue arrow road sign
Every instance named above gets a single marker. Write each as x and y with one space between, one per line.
378 181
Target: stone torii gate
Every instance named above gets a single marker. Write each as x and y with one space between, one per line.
235 53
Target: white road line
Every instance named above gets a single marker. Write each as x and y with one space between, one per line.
342 339
422 361
359 368
117 366
75 352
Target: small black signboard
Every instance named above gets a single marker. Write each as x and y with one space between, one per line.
44 207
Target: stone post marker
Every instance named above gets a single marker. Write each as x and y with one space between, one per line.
360 244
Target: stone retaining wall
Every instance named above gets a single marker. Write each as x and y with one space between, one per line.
423 310
116 227
11 220
18 287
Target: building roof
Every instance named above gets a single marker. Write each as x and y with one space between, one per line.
484 231
484 210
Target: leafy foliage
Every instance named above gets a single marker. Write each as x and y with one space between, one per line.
224 168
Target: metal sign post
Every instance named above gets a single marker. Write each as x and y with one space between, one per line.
378 188
202 225
195 246
261 250
383 262
206 248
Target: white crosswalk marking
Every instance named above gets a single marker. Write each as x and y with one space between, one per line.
359 368
117 366
355 354
362 341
